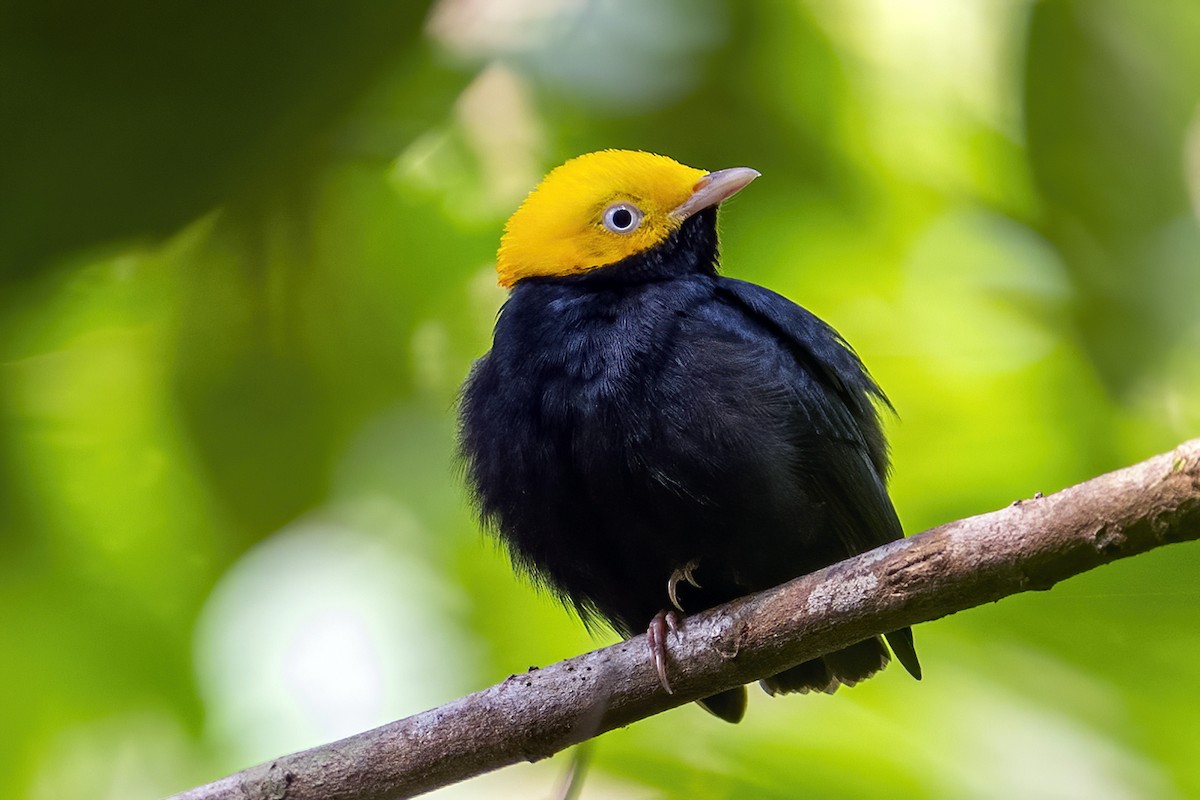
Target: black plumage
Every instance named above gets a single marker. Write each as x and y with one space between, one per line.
650 413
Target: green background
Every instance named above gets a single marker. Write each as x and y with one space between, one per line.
246 260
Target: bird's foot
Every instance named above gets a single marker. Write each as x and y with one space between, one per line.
684 574
656 643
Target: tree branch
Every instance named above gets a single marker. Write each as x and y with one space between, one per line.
1030 545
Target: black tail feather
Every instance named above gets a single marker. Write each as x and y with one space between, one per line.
825 674
811 676
905 651
842 668
729 705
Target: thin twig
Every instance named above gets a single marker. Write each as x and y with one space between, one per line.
572 783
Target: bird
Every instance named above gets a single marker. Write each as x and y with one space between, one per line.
651 438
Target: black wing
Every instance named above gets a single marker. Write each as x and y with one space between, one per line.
854 450
822 351
847 431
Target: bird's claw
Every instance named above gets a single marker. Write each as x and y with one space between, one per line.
685 574
656 643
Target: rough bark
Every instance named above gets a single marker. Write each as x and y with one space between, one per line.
1030 545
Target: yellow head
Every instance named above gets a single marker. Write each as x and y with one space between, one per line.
603 207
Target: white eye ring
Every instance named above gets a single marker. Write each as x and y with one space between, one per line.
622 218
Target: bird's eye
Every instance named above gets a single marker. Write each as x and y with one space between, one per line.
622 218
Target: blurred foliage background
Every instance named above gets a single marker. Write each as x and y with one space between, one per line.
245 261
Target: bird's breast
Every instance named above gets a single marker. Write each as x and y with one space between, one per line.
590 353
